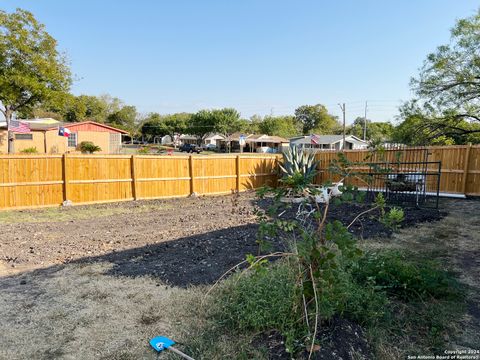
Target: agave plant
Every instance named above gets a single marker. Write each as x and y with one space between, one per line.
298 169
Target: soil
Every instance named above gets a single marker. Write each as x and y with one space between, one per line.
343 339
189 241
274 343
187 231
367 225
339 338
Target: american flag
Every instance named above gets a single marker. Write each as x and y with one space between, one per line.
314 139
18 126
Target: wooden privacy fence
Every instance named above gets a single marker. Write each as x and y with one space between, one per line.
460 165
47 180
28 181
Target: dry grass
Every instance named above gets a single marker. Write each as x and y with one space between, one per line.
74 213
78 312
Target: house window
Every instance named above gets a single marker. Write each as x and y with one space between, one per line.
23 136
72 140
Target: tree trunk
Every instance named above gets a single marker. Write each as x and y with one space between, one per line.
10 137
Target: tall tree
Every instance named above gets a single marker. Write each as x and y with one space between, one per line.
159 125
224 121
376 131
448 86
284 126
32 70
315 118
124 118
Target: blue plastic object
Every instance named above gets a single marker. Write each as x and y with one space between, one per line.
161 343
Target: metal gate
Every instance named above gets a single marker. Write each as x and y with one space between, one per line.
407 178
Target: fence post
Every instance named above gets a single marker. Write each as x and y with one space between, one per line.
237 166
190 163
134 179
465 168
65 178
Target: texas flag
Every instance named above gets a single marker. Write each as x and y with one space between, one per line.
63 132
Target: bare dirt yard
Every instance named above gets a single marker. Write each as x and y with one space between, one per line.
97 282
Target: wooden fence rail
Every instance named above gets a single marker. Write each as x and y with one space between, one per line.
29 181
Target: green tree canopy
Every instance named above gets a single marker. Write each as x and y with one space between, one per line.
32 70
159 125
448 86
284 126
376 131
224 121
411 132
125 118
316 119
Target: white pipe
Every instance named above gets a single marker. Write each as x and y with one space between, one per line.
442 194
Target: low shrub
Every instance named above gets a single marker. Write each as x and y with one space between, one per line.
403 276
88 147
393 218
144 150
30 150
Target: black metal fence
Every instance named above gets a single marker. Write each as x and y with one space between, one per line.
414 184
406 177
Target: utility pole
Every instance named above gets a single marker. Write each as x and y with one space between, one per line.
342 106
365 123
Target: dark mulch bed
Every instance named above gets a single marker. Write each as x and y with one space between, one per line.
368 225
342 339
339 338
273 343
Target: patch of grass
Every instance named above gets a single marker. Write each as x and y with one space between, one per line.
246 305
409 279
425 302
259 300
54 214
406 306
241 307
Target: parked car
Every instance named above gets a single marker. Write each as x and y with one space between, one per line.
209 147
190 148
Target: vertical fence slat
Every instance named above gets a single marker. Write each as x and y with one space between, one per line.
65 178
190 165
134 177
466 158
237 169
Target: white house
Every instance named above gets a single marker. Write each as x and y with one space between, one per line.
265 143
212 139
188 139
329 142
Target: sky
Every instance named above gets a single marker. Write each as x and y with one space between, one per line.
258 56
